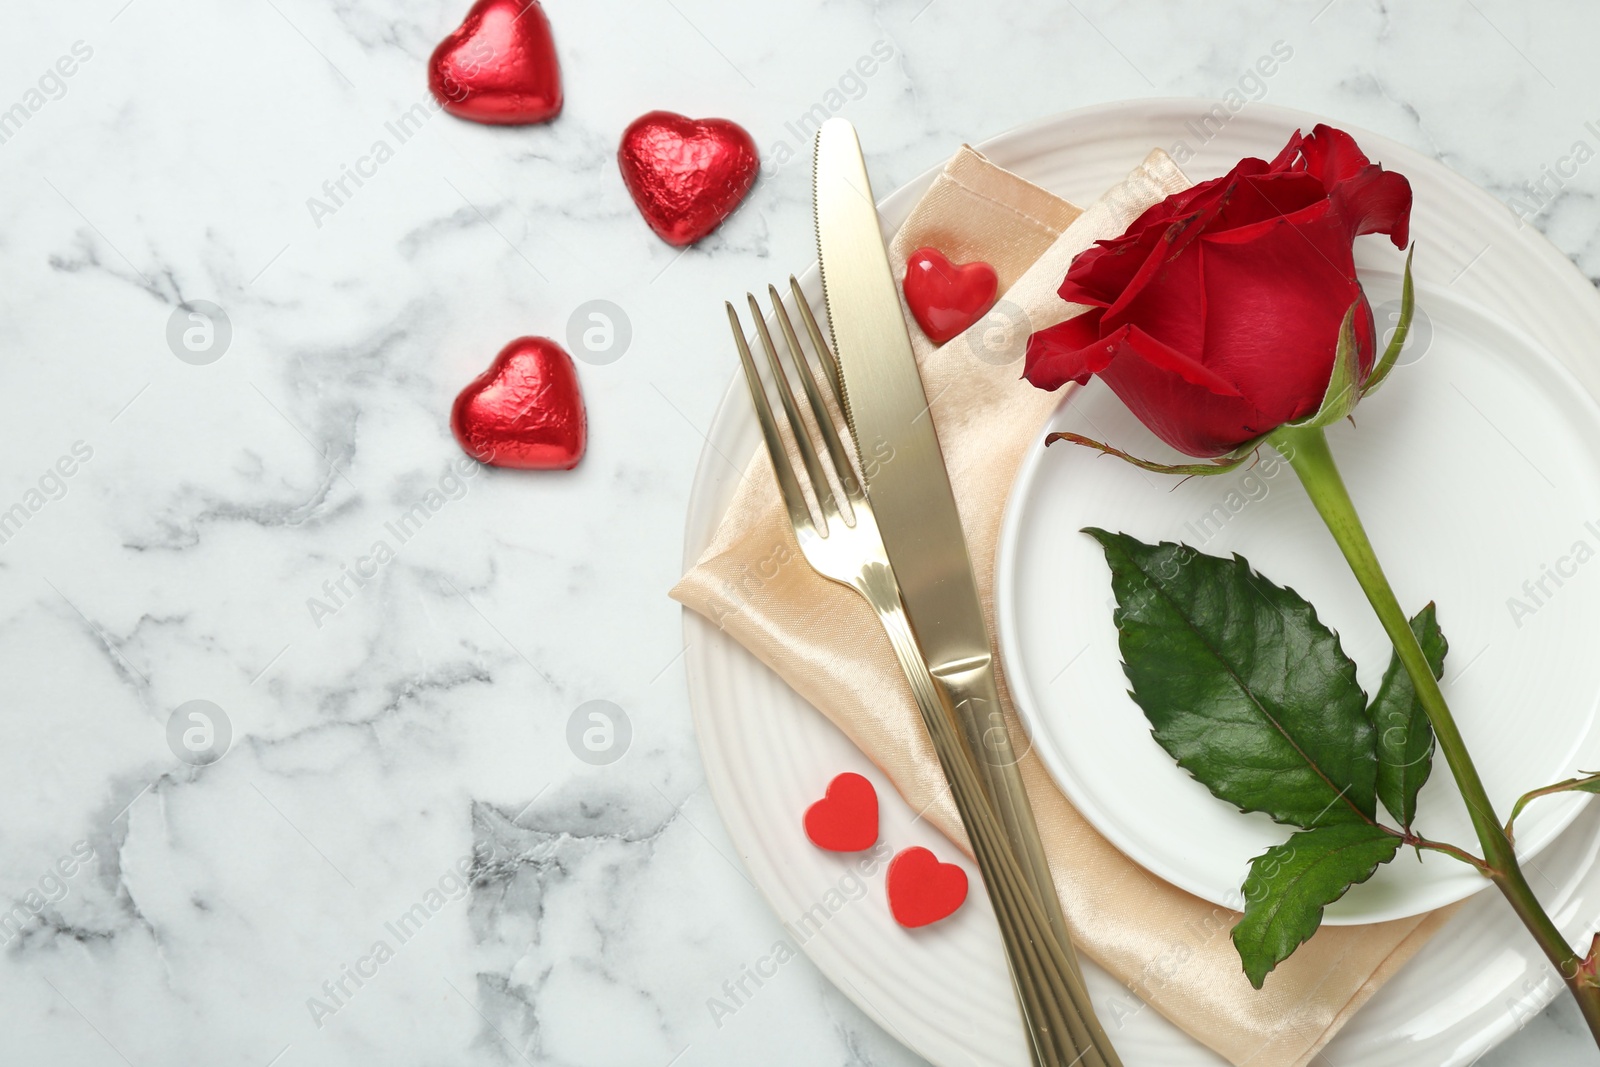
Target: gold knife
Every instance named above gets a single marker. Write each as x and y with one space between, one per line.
912 497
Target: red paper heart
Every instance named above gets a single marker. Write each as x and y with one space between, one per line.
499 67
686 175
525 411
946 297
846 818
922 890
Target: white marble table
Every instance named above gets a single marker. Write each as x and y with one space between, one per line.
421 728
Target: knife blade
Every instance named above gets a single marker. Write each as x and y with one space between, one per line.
885 405
910 490
905 478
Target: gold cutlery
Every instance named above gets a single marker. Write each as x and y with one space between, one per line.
849 549
886 407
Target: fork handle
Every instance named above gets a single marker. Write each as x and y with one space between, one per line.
1055 1004
974 693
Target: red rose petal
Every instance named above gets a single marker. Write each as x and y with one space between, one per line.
1169 359
1267 195
1376 201
1332 155
1189 417
1169 305
1067 352
1276 295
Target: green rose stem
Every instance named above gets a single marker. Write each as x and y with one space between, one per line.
1306 449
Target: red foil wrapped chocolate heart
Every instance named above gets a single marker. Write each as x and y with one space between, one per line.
499 67
525 411
687 175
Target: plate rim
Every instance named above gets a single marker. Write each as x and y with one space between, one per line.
1487 1031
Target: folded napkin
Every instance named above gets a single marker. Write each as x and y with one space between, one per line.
1171 949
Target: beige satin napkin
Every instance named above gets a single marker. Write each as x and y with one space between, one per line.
1172 950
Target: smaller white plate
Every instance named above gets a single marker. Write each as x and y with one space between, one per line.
1476 471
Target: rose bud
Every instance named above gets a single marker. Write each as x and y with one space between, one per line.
1217 315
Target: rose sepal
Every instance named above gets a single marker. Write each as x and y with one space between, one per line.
1402 329
1220 465
1344 382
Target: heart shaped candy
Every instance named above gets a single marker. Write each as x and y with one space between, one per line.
846 818
525 411
686 175
922 890
499 67
945 297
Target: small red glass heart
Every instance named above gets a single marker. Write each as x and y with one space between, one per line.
846 818
946 297
499 67
687 175
922 890
525 411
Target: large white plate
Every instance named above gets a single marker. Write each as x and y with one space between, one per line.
1475 469
944 991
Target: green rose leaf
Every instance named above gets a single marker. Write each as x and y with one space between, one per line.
1405 738
1291 883
1242 684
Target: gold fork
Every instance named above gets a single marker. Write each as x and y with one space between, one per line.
1062 1028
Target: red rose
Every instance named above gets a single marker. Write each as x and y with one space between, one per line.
1216 316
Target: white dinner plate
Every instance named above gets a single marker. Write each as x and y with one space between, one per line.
1475 470
763 766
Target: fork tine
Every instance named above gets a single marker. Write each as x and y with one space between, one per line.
788 486
829 360
830 433
802 438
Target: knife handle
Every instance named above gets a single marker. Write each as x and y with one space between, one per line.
974 694
1061 1024
970 689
